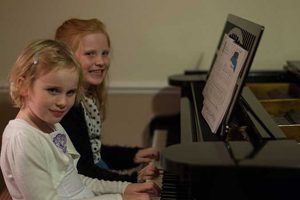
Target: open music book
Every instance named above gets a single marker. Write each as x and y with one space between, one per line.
221 83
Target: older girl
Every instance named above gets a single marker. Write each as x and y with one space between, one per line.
91 44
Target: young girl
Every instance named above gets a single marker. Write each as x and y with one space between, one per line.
37 158
91 44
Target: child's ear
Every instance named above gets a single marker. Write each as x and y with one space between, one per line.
22 86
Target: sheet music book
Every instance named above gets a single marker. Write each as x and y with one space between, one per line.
221 84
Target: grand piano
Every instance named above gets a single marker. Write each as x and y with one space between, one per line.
252 155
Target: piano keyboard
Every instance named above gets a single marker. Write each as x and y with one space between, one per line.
168 184
165 180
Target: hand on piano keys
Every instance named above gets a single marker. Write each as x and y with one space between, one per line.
167 184
141 191
146 155
153 172
148 173
165 181
151 156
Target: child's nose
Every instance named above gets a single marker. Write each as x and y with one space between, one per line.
61 101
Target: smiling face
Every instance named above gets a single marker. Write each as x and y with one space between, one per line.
93 55
50 97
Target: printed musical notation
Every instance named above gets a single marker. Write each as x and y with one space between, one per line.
220 85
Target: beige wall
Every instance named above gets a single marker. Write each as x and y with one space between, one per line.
130 112
154 38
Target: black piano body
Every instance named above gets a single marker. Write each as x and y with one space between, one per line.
250 158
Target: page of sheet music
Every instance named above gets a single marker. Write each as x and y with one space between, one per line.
220 86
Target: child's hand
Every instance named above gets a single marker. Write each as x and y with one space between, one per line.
149 172
146 155
141 191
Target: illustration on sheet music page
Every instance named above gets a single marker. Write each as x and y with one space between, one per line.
220 85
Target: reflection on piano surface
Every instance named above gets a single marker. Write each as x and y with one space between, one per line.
255 158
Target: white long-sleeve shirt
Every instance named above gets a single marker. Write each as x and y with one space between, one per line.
33 167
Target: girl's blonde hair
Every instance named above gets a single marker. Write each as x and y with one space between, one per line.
71 32
37 59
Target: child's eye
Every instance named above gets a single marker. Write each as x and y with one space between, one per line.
91 53
71 93
53 91
105 53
